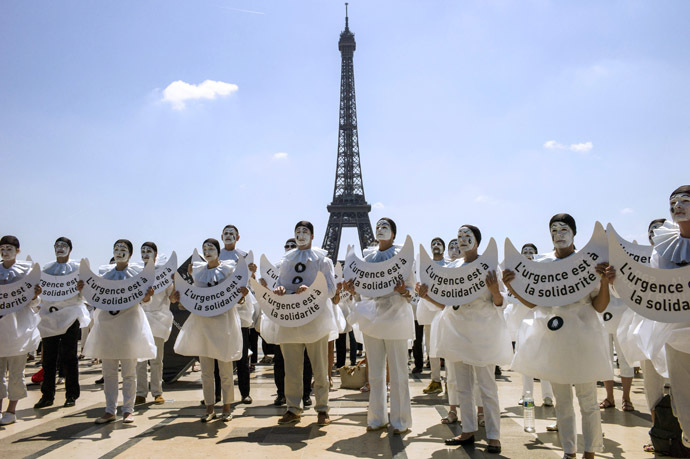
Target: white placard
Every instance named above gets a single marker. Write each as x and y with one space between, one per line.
59 288
639 253
560 282
16 295
249 258
164 274
293 310
662 295
114 295
213 301
379 279
461 285
268 272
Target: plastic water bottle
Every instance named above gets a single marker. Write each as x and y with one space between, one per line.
528 412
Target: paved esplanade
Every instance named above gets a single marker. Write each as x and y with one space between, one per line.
173 429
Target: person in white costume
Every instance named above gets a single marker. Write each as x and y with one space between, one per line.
453 250
120 338
426 312
213 338
229 252
571 344
514 314
387 323
160 318
473 338
611 319
60 328
298 270
18 332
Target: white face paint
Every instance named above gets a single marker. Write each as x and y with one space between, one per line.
651 231
384 232
210 251
229 236
437 247
289 245
529 252
680 207
8 252
303 236
147 253
466 240
453 249
61 249
561 235
121 253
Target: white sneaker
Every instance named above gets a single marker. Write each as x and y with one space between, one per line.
548 401
8 418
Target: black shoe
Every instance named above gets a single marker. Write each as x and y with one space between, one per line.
43 402
456 441
497 371
247 400
416 370
279 401
307 401
493 449
100 381
70 402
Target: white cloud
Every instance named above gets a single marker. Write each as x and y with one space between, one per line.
553 145
377 205
482 198
627 210
280 155
582 147
179 92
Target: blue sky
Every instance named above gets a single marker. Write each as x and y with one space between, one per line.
495 113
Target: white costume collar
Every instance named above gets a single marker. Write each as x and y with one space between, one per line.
670 245
302 256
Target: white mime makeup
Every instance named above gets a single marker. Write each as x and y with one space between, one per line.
529 252
453 250
561 235
210 251
229 235
8 252
437 247
147 253
121 253
61 249
302 236
680 207
384 232
466 240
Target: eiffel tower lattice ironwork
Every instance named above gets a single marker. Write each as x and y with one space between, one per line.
349 207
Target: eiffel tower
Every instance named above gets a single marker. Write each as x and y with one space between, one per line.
349 207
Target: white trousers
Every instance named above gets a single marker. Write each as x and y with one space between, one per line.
156 372
453 394
395 352
12 370
679 376
434 362
293 355
208 382
465 387
591 416
653 384
528 385
129 384
625 369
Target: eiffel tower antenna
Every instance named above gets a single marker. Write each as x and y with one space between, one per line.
349 207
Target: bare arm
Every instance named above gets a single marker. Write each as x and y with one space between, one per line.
608 275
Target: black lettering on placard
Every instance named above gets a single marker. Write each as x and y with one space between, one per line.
52 309
555 323
300 267
297 280
607 316
113 313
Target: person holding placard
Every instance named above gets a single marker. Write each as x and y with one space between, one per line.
387 323
60 328
160 318
298 270
18 331
567 345
212 338
473 339
119 338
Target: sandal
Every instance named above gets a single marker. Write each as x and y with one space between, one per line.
606 403
648 448
451 418
365 388
480 420
628 406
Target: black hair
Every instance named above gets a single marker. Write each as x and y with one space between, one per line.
564 218
65 240
439 239
126 242
292 239
529 244
307 225
214 242
653 222
231 226
681 189
150 244
11 240
394 227
475 231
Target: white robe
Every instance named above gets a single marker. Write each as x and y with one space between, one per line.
18 330
426 311
249 310
58 316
